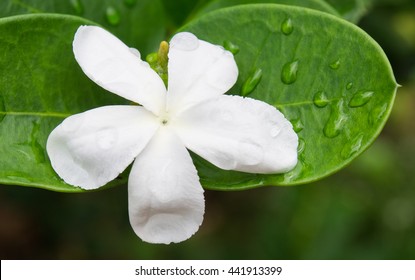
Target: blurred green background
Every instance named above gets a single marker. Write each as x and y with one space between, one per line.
365 211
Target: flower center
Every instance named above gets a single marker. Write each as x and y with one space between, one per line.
164 121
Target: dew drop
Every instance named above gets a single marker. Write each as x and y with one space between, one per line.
287 26
130 3
377 114
297 125
349 85
252 81
37 150
289 72
106 138
250 153
352 146
320 99
2 108
135 52
336 120
335 65
184 41
301 146
112 15
275 131
360 98
77 6
228 45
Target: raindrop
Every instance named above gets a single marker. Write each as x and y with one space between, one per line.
336 120
184 41
352 146
360 98
301 145
275 131
349 85
130 3
112 15
228 45
135 52
287 26
250 153
377 114
320 99
107 138
252 81
77 6
297 125
335 65
289 72
2 108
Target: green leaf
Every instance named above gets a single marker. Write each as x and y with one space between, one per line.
40 85
319 5
328 77
138 23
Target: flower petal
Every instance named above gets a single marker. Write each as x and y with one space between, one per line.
198 70
165 197
115 67
92 148
243 134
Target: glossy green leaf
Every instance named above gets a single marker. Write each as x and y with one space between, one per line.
138 23
319 5
352 10
329 78
40 85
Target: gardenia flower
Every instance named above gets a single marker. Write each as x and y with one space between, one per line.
166 202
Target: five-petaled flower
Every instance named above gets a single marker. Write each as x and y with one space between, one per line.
166 202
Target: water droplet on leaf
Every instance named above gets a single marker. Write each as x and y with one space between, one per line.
360 98
77 6
349 85
301 145
320 99
112 15
185 41
377 114
287 26
228 45
289 72
336 120
252 81
335 65
297 125
352 146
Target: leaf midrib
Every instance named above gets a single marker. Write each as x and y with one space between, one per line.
37 114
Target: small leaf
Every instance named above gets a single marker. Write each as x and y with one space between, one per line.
40 85
338 93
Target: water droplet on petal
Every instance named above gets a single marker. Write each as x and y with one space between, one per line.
297 125
360 98
135 52
349 85
184 41
107 138
112 15
252 81
320 99
275 131
335 64
336 120
228 45
301 145
2 108
352 146
250 153
377 114
289 72
77 6
130 3
287 26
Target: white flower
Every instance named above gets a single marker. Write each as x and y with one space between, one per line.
166 202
